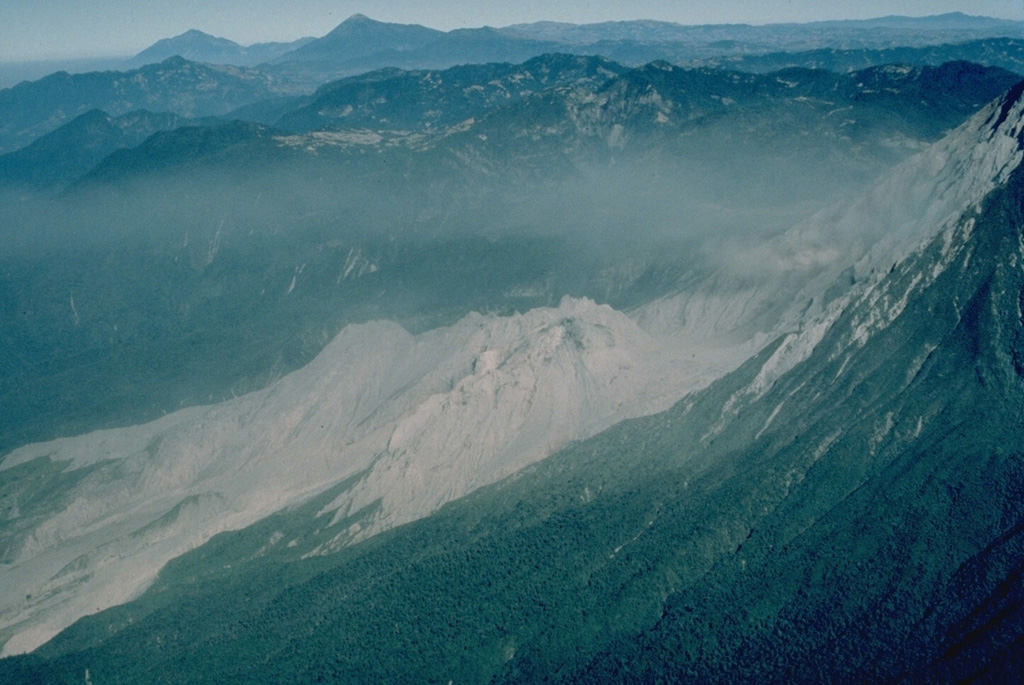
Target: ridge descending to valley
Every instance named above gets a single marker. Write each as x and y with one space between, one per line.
852 513
559 371
213 257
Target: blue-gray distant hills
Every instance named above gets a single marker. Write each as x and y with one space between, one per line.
76 147
1007 53
699 364
362 40
362 44
662 110
359 37
189 89
197 46
199 75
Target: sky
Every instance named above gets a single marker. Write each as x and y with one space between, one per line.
59 29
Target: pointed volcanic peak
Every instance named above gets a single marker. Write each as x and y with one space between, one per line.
359 36
193 45
196 46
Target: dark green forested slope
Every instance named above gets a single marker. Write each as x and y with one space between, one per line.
860 521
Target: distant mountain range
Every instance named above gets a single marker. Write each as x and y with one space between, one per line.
1007 53
659 31
76 147
179 75
197 46
363 43
436 99
360 44
188 89
489 113
359 37
536 368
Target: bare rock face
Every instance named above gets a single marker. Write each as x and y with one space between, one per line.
409 422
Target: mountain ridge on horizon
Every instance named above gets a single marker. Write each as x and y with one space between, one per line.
951 19
484 366
889 19
632 41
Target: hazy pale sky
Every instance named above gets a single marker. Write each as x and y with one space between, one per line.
45 29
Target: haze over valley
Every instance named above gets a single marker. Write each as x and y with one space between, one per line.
606 352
